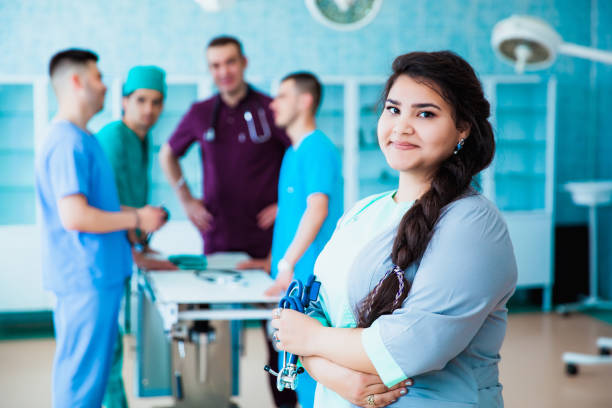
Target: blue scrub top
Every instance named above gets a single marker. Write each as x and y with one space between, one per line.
313 167
71 161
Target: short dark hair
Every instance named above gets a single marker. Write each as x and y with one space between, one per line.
225 40
71 56
307 82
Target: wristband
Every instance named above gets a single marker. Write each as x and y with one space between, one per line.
284 266
180 183
137 220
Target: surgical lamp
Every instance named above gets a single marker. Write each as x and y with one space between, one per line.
530 43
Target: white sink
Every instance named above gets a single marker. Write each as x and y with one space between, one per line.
590 193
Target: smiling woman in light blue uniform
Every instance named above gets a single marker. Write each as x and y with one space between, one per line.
415 281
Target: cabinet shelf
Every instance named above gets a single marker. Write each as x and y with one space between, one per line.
336 113
16 113
369 148
521 109
369 110
11 188
521 174
521 143
16 150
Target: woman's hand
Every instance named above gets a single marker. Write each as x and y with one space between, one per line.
355 387
367 390
295 332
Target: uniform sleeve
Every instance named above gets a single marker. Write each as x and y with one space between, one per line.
115 152
69 171
321 169
467 272
185 133
317 311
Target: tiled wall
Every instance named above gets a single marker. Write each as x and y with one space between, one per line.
280 36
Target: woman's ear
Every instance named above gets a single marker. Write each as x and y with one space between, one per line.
464 129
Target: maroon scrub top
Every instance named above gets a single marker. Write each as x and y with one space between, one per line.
240 168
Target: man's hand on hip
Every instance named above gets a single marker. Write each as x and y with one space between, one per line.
198 214
266 217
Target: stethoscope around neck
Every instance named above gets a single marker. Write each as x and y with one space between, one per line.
210 135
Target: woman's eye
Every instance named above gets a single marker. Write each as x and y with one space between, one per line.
426 114
392 109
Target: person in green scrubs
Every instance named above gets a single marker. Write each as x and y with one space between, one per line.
126 143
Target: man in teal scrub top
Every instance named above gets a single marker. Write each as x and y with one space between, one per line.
86 256
310 200
126 143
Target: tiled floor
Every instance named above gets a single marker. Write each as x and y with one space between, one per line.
531 368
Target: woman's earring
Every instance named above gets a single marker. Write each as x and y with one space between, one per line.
459 146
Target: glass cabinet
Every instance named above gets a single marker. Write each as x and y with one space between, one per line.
374 175
17 154
521 178
519 170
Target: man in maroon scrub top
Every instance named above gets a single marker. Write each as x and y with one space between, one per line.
242 151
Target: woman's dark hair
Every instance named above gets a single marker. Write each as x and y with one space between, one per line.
455 80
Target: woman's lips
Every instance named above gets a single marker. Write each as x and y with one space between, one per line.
403 145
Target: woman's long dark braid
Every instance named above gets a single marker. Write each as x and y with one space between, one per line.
459 86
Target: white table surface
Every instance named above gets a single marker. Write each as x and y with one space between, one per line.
186 287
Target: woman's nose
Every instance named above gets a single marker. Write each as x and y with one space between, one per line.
403 127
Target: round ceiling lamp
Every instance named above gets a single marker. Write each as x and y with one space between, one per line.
344 15
530 43
214 6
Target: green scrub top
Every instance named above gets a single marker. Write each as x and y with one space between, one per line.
129 157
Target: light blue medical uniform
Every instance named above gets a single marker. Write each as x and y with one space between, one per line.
448 333
85 271
313 167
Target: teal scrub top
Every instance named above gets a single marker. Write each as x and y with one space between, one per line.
129 157
313 167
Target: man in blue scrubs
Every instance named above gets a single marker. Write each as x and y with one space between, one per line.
310 200
86 256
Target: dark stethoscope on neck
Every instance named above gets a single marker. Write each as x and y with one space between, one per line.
210 134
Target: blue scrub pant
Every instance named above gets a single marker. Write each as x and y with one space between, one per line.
306 390
85 333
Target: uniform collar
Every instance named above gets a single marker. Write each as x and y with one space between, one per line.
250 93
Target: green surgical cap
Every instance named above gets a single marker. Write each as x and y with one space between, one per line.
145 77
